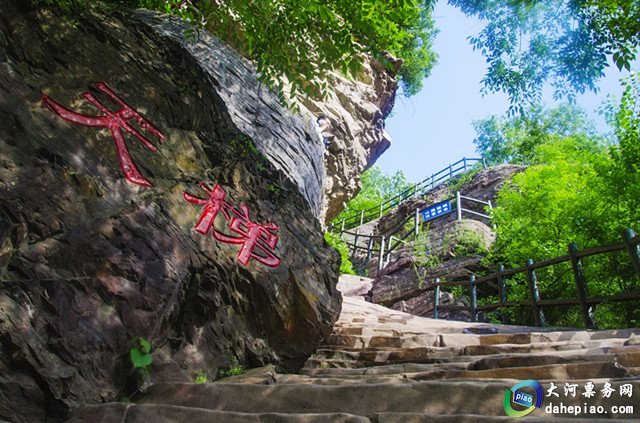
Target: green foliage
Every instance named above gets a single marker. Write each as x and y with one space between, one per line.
140 354
624 116
377 187
423 252
345 264
463 179
466 244
235 369
578 189
515 139
530 42
305 40
200 377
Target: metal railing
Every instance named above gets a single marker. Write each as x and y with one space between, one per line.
631 243
382 246
418 189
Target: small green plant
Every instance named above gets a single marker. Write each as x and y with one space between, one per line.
201 377
460 181
467 244
235 369
423 254
345 265
141 355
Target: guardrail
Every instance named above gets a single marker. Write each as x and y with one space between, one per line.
383 246
630 243
418 189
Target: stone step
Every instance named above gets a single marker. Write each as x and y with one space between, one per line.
391 337
628 356
372 357
554 371
445 397
146 413
474 418
461 340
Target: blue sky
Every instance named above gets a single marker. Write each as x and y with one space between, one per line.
433 128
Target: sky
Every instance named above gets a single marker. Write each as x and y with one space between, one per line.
434 127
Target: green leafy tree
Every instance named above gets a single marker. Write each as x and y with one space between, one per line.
565 42
306 40
578 189
515 139
377 187
346 267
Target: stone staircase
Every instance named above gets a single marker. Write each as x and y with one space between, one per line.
384 366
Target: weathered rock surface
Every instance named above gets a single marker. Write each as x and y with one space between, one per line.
89 260
352 126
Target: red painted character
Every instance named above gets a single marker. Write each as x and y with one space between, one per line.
116 122
252 237
212 205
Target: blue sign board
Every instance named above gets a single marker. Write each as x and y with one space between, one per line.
435 211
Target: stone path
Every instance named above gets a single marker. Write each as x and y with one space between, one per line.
385 366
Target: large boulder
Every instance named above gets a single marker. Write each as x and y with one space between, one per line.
90 260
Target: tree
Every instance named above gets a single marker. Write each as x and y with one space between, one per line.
377 187
579 189
565 42
515 139
306 40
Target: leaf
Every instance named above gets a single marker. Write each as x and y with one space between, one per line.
145 346
140 359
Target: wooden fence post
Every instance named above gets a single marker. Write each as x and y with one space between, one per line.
484 162
380 209
503 293
633 250
415 190
458 205
342 227
369 248
417 222
381 258
581 284
433 180
535 294
474 298
361 217
450 171
464 161
436 299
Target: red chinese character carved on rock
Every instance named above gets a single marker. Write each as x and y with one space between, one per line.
253 237
116 122
212 205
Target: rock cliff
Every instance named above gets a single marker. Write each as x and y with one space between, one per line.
447 249
351 124
90 259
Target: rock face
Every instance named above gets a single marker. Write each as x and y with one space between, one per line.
89 260
484 186
447 249
351 122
